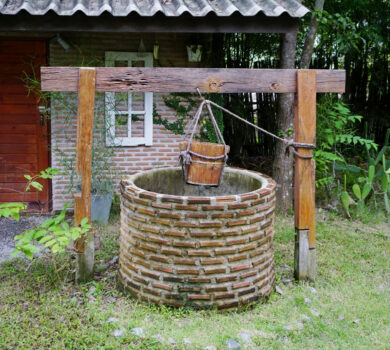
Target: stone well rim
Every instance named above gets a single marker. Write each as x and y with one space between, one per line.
266 183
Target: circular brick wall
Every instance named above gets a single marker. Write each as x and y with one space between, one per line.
179 246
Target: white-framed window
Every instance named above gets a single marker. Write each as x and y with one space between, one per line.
129 115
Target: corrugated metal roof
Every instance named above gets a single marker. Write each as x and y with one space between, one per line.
171 8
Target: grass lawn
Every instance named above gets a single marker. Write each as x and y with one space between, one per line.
348 308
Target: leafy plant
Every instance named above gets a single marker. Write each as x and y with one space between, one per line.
375 182
336 138
44 174
12 210
184 104
54 233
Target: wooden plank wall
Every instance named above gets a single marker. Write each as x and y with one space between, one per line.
23 140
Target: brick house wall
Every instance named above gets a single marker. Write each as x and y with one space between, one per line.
89 49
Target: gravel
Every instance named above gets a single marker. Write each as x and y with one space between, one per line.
9 228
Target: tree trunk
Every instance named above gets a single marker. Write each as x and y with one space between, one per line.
307 51
283 163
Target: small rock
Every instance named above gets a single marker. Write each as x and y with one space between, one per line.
186 341
286 281
112 320
158 337
101 268
278 290
307 300
287 267
300 325
306 318
356 321
98 242
118 333
263 334
114 260
245 337
91 291
138 331
110 300
312 290
284 340
341 317
210 347
289 327
171 341
231 344
314 313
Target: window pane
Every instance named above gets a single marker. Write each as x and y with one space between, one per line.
121 98
121 125
139 63
137 125
138 101
121 101
121 63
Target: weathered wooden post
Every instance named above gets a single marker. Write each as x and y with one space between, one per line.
85 246
304 181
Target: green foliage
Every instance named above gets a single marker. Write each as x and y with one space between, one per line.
184 105
44 174
341 29
12 210
353 35
54 233
336 138
374 183
38 311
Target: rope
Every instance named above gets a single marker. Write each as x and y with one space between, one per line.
289 144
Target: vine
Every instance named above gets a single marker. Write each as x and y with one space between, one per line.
184 106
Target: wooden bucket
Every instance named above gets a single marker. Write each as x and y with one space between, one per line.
203 171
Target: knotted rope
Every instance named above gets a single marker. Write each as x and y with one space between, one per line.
289 144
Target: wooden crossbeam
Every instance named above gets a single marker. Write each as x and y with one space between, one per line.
218 80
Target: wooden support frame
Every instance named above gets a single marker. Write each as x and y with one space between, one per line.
304 83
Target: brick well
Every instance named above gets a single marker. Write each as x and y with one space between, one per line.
185 245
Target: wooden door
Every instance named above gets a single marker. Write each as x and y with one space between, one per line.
23 131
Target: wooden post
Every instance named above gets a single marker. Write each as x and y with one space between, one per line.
85 246
304 181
